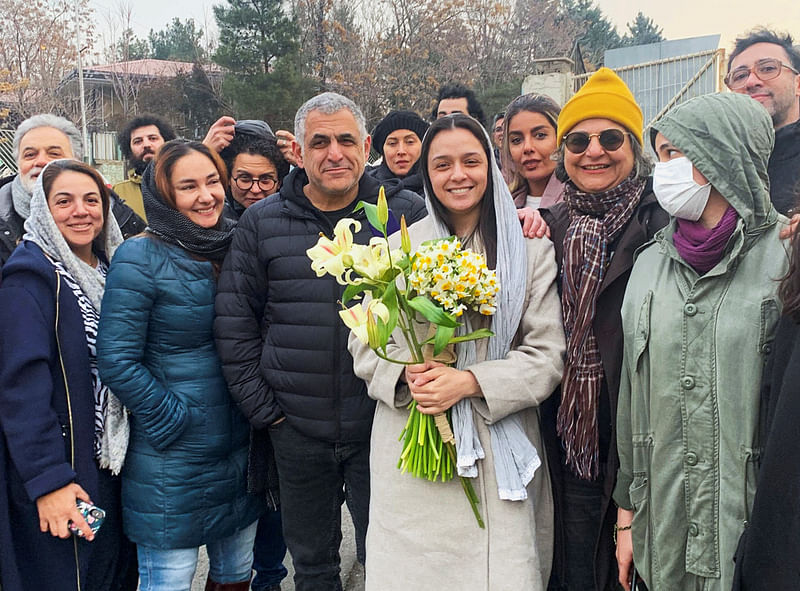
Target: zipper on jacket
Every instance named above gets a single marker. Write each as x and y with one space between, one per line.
69 413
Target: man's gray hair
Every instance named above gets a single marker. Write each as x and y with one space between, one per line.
327 103
65 126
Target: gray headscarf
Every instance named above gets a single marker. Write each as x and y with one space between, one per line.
515 457
41 229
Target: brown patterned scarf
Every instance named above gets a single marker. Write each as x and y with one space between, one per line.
596 220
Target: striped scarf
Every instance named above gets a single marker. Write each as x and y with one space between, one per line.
596 220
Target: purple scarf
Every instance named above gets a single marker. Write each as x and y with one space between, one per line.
703 248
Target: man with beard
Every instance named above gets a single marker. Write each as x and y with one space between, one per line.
139 141
766 66
37 141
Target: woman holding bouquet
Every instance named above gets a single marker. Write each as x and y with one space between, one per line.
422 534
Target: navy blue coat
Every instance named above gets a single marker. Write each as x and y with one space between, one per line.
37 425
184 480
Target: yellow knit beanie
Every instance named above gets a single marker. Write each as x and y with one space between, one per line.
604 96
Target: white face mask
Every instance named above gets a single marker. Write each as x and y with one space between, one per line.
677 191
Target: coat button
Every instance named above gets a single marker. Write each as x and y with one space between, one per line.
766 349
693 529
690 309
691 458
687 382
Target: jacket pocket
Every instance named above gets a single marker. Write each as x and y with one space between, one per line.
642 532
770 314
641 339
750 457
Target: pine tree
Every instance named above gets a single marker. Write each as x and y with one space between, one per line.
642 30
180 41
258 47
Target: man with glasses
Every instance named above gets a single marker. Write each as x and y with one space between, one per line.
765 65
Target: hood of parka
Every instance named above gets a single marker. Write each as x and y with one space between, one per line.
729 138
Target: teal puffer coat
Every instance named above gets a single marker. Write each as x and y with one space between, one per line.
184 479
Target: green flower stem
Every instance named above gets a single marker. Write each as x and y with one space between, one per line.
466 484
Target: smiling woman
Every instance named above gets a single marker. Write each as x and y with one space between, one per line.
492 391
62 433
608 212
184 484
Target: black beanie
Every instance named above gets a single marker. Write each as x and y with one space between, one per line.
394 121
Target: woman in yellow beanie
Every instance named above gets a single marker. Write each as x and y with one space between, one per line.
609 210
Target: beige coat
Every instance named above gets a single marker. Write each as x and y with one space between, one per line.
422 535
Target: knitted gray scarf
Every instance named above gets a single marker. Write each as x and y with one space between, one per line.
515 457
41 229
20 197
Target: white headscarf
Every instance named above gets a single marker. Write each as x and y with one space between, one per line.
516 459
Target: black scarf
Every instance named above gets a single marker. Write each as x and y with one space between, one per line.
175 228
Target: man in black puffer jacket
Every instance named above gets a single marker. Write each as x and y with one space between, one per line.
284 347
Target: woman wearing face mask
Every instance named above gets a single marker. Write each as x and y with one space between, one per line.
184 479
699 317
398 139
529 138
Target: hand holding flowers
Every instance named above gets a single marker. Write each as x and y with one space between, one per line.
436 387
438 282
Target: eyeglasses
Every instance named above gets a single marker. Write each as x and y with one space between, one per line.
577 142
266 183
765 69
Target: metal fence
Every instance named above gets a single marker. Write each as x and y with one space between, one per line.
104 146
661 84
8 165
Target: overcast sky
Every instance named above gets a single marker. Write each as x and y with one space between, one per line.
679 18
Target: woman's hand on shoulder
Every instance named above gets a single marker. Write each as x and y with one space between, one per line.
436 387
533 224
58 508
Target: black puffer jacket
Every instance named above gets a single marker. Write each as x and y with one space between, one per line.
282 343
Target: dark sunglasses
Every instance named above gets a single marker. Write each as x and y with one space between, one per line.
610 139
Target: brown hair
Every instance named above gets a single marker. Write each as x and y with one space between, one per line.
789 290
54 169
169 154
535 103
487 226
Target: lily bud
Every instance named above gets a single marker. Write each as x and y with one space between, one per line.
383 208
372 331
405 239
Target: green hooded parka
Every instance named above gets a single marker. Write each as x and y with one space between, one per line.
695 347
